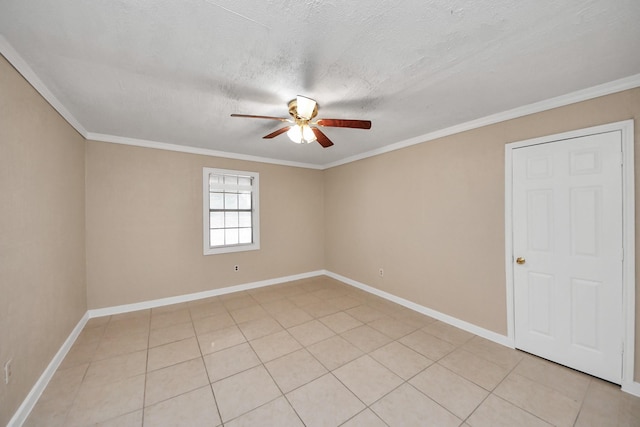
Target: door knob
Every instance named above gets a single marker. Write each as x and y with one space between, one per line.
520 260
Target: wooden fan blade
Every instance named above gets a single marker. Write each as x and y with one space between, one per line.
261 117
322 138
276 133
341 123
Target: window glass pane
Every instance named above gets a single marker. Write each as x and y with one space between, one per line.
244 219
244 201
230 201
217 237
245 235
216 219
231 236
230 219
231 179
216 201
231 210
213 179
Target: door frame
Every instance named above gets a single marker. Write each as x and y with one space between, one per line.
626 128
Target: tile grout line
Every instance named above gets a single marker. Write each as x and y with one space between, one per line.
329 372
226 309
206 370
395 316
489 392
303 347
505 400
582 401
332 372
435 362
263 364
146 369
73 401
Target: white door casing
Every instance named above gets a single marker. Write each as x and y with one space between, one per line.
569 214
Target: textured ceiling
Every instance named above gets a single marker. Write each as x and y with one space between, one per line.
173 71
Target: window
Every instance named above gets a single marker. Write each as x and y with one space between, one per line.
231 219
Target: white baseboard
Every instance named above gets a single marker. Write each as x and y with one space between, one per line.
36 391
469 327
631 388
118 309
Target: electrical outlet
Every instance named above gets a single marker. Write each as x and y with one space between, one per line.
381 272
236 268
7 372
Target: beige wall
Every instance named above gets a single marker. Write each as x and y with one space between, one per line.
144 225
432 215
42 264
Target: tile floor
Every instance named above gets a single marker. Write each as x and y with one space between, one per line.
314 352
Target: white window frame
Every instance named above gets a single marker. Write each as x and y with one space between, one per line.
255 214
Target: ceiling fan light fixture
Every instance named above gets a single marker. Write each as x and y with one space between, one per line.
302 111
301 134
307 134
295 134
305 107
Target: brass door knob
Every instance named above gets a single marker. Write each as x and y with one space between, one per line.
520 260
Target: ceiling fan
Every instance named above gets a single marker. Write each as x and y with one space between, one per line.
303 130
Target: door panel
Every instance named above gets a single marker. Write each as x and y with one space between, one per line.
540 220
540 300
584 313
585 223
567 225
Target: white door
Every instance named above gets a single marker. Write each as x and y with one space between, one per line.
567 232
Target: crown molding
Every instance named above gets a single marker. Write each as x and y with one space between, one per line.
537 107
14 58
23 68
30 76
194 150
